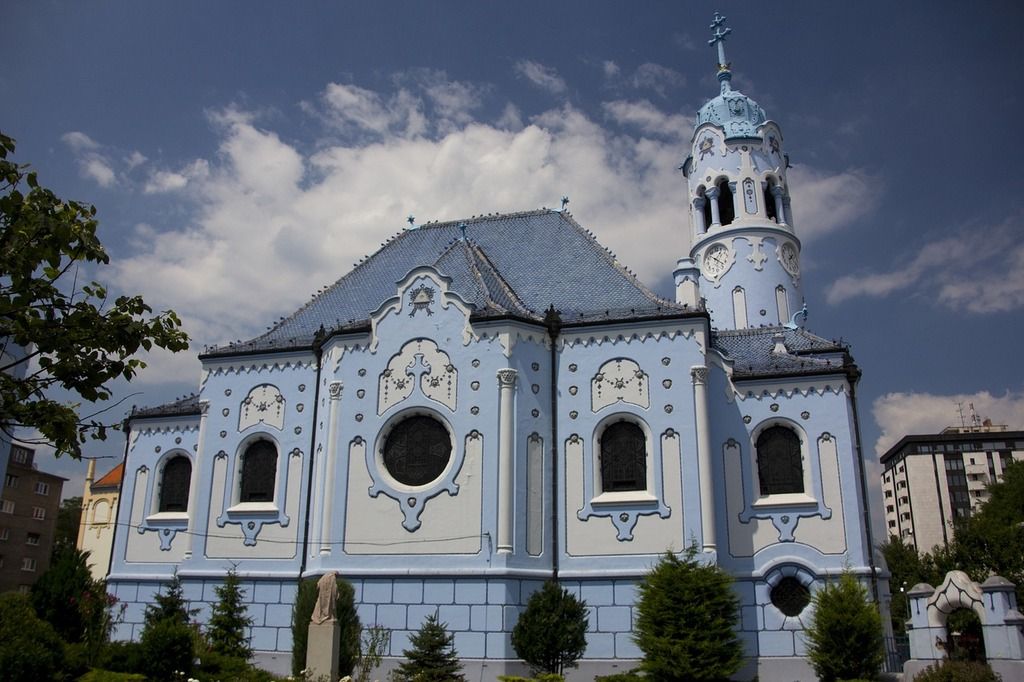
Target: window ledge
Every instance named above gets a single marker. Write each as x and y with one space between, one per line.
624 497
253 509
165 518
785 500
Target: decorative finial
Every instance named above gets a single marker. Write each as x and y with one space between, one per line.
718 39
412 221
792 321
565 202
462 226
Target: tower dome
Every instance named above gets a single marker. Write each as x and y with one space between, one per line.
738 115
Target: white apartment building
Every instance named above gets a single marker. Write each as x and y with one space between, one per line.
930 480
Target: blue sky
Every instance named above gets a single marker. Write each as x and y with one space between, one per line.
244 154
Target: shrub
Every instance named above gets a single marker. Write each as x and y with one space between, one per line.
631 676
29 647
845 639
550 635
348 619
432 657
686 619
228 620
109 676
64 594
168 648
543 677
958 671
125 657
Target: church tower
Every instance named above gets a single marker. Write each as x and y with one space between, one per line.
744 257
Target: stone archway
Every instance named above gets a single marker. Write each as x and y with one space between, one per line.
995 604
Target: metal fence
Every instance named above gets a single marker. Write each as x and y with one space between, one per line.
897 652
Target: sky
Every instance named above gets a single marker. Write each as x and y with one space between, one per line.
243 155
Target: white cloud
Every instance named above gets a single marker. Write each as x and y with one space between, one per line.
99 170
824 202
92 162
658 78
610 68
136 158
274 223
544 77
979 270
649 119
169 181
78 141
902 414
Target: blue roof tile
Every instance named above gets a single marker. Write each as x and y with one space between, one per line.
517 264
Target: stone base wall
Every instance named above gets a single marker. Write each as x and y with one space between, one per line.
480 612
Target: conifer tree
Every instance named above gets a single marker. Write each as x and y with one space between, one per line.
167 639
228 620
844 638
686 620
432 657
550 635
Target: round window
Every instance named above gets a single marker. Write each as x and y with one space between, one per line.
790 596
417 450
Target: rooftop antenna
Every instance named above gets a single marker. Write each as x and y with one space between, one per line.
565 202
975 419
960 409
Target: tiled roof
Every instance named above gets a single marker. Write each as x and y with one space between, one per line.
182 406
751 351
111 479
516 264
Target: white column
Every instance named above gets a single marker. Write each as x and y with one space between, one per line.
780 209
506 457
712 195
698 214
699 374
193 484
332 457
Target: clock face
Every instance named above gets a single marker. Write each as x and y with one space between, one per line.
716 261
790 259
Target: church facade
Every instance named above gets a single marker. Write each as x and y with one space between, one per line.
484 405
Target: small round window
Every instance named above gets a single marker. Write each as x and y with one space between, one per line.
417 450
790 596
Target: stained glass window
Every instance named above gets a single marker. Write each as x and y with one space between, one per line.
623 458
259 469
175 483
417 450
779 463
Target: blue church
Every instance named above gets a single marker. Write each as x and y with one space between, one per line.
486 404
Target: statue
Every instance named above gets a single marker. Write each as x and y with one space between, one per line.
326 600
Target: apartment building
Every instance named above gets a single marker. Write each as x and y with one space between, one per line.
930 480
28 519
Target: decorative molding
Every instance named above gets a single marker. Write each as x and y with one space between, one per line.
264 403
699 374
335 389
260 367
420 358
757 256
570 340
507 378
619 380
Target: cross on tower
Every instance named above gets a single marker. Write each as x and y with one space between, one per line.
718 38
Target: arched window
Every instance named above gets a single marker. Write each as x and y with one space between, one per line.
623 458
779 465
726 208
174 484
769 201
259 469
417 450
